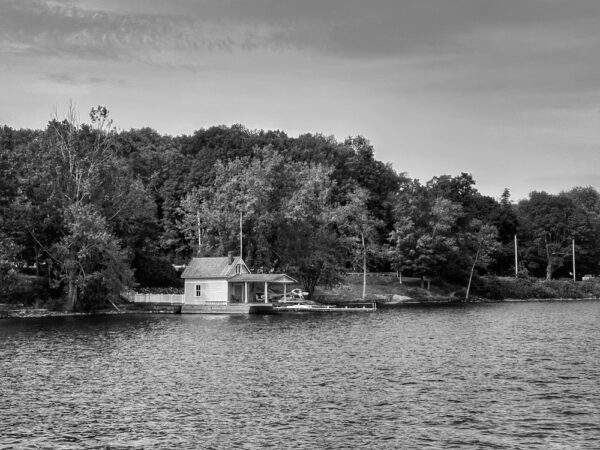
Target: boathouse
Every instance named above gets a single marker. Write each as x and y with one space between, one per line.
226 285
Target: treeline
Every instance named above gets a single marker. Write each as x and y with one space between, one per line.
91 210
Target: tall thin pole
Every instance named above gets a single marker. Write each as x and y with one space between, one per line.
199 232
241 235
574 279
364 293
516 258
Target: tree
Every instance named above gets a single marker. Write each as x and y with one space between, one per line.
504 218
549 224
484 238
8 262
314 253
78 164
285 207
426 235
586 225
88 256
355 220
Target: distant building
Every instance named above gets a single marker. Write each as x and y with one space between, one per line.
226 285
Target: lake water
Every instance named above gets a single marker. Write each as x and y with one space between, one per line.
511 375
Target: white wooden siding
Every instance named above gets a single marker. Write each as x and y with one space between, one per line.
213 290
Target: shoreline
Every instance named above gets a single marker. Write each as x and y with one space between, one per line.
36 313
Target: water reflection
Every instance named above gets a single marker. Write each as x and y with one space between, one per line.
508 375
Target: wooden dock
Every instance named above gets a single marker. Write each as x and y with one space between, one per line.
231 308
371 307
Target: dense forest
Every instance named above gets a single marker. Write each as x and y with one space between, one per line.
88 210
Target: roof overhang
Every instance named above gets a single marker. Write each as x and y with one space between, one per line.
278 278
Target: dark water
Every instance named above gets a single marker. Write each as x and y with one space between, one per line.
519 375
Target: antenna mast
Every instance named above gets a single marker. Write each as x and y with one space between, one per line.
199 232
574 278
516 258
241 237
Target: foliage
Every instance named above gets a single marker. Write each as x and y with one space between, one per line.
82 205
154 271
549 225
89 256
283 208
425 238
359 227
483 238
501 288
8 266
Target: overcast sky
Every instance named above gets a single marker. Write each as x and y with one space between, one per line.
508 90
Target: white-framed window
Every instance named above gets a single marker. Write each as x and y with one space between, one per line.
198 290
238 268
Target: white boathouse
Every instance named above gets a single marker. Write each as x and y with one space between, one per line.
225 285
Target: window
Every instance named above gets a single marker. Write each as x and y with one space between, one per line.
238 268
198 290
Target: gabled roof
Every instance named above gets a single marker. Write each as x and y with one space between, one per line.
211 267
262 278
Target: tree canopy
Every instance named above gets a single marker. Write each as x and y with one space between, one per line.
92 209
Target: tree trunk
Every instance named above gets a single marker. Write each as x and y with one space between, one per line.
549 271
364 292
309 282
472 270
549 264
71 295
72 286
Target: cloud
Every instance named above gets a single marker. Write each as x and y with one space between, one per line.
62 30
147 29
73 78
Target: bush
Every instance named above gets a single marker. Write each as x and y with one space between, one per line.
53 304
564 289
489 287
94 294
542 289
591 288
154 271
27 290
525 287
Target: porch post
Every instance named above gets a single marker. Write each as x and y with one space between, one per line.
245 292
285 292
266 292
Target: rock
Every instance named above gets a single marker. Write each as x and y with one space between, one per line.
399 299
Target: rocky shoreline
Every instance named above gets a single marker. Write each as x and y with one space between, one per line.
25 313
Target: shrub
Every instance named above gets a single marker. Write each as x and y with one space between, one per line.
524 287
154 271
28 290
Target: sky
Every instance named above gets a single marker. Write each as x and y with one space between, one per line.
507 90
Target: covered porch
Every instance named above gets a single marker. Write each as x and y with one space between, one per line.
258 288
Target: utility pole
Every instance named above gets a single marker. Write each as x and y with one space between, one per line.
516 259
199 232
574 278
241 236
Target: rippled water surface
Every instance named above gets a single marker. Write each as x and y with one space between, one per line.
513 375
